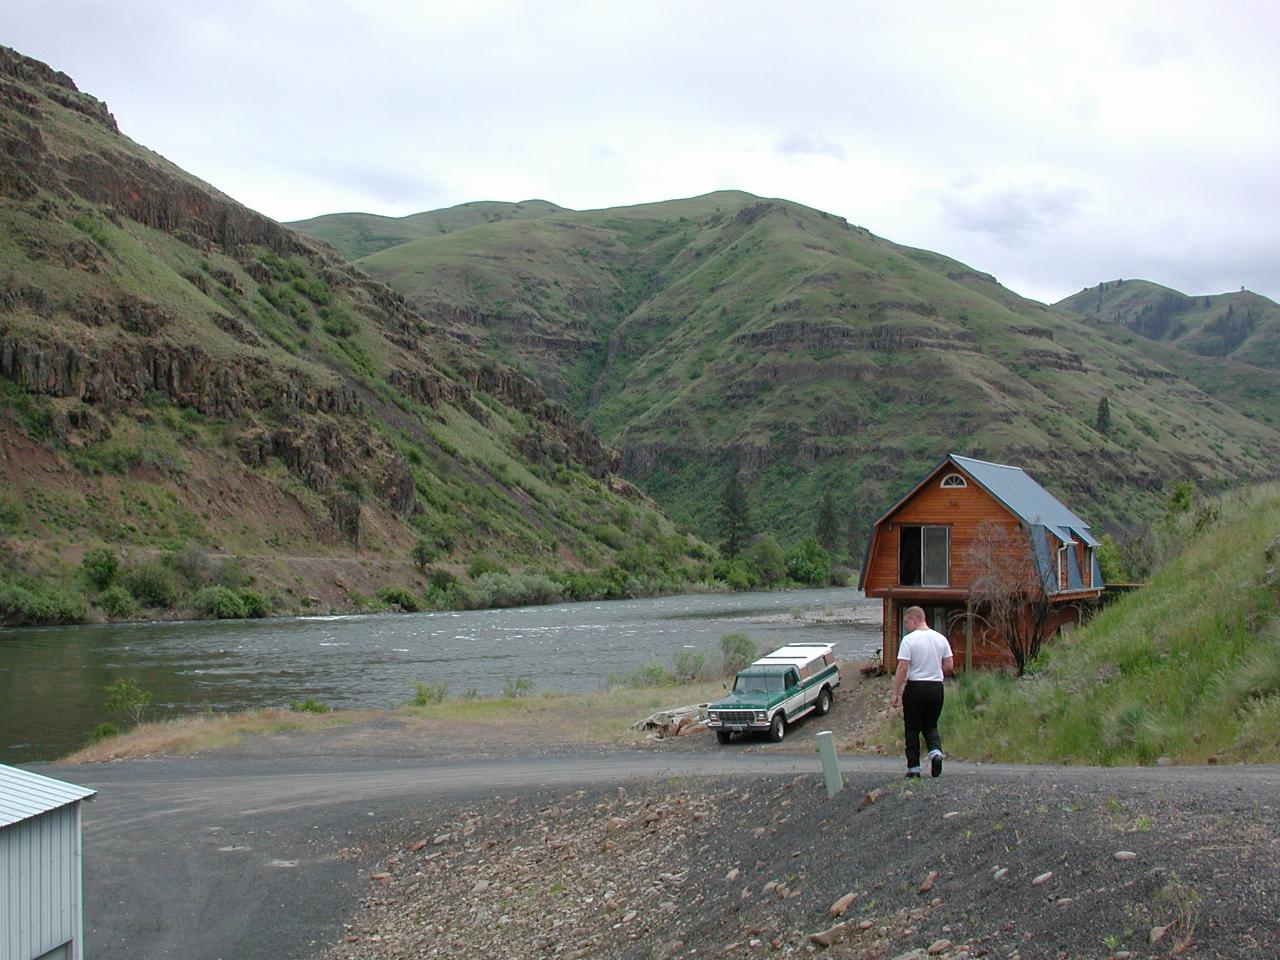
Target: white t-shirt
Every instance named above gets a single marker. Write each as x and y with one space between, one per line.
924 650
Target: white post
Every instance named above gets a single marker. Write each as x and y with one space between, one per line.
830 767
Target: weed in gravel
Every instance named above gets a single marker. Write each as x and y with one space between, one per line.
1184 900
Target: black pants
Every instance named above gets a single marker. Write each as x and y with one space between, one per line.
921 707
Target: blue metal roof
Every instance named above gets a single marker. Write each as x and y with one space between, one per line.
1026 499
24 795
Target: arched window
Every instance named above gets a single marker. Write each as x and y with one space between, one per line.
953 480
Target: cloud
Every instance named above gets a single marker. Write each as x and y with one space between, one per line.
1011 215
809 144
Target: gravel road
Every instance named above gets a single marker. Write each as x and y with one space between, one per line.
249 858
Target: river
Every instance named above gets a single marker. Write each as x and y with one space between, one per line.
52 679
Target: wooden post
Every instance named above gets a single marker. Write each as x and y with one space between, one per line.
968 635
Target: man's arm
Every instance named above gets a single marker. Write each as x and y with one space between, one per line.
948 665
899 681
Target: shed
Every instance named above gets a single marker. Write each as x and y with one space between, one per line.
41 894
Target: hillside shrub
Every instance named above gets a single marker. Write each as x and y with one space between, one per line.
21 605
255 604
401 597
513 687
423 552
808 562
117 602
152 584
232 573
100 566
736 574
218 602
309 705
441 579
690 665
509 590
768 560
126 698
191 563
428 693
482 564
736 651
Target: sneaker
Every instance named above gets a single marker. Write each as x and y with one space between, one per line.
913 775
935 765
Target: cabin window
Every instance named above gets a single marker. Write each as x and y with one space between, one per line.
954 480
1064 567
924 556
1087 572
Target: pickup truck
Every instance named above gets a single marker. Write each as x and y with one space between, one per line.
777 690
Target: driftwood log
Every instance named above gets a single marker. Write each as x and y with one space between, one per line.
676 722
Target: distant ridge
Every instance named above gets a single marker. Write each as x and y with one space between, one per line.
728 329
1244 326
356 235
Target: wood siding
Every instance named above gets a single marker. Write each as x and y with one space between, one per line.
962 509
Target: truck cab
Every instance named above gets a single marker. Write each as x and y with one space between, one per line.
777 690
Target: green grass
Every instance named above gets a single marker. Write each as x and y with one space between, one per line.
1188 667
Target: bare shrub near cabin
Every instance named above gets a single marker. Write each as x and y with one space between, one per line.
1006 591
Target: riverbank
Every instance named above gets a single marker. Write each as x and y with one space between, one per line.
460 727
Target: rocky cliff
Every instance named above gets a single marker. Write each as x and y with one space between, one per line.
157 336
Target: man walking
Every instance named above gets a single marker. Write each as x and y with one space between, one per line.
924 658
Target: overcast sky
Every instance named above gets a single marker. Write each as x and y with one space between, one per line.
1052 144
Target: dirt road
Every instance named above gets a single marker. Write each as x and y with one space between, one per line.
248 858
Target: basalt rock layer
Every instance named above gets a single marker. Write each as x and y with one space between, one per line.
179 368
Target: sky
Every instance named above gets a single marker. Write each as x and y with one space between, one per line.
1052 144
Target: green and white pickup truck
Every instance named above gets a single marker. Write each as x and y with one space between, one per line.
777 690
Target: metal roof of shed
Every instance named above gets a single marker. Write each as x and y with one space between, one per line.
24 795
1028 500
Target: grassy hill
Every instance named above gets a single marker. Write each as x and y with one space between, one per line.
1244 326
697 334
206 398
1188 667
357 235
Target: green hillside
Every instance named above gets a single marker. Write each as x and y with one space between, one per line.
190 388
357 235
697 334
1243 326
1188 667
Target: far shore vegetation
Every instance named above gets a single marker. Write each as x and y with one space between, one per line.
192 582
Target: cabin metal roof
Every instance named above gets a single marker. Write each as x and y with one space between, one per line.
24 795
1026 499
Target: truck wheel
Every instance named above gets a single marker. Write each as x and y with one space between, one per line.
724 736
778 727
824 703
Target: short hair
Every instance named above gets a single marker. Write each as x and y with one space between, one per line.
915 613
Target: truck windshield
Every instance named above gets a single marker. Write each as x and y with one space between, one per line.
757 683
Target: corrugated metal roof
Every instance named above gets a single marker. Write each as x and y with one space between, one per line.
1026 498
24 794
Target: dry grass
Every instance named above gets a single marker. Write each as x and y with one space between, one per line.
550 718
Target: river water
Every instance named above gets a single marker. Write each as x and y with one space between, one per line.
52 679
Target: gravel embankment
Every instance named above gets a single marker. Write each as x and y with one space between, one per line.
1043 864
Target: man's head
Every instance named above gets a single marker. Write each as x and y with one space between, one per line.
913 618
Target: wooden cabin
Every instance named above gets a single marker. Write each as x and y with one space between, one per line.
921 553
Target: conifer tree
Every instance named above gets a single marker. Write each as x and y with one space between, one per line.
828 528
1103 421
735 516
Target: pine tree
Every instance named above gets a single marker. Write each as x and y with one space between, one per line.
735 516
828 529
1103 422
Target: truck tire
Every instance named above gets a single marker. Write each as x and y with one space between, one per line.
824 703
778 727
724 736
